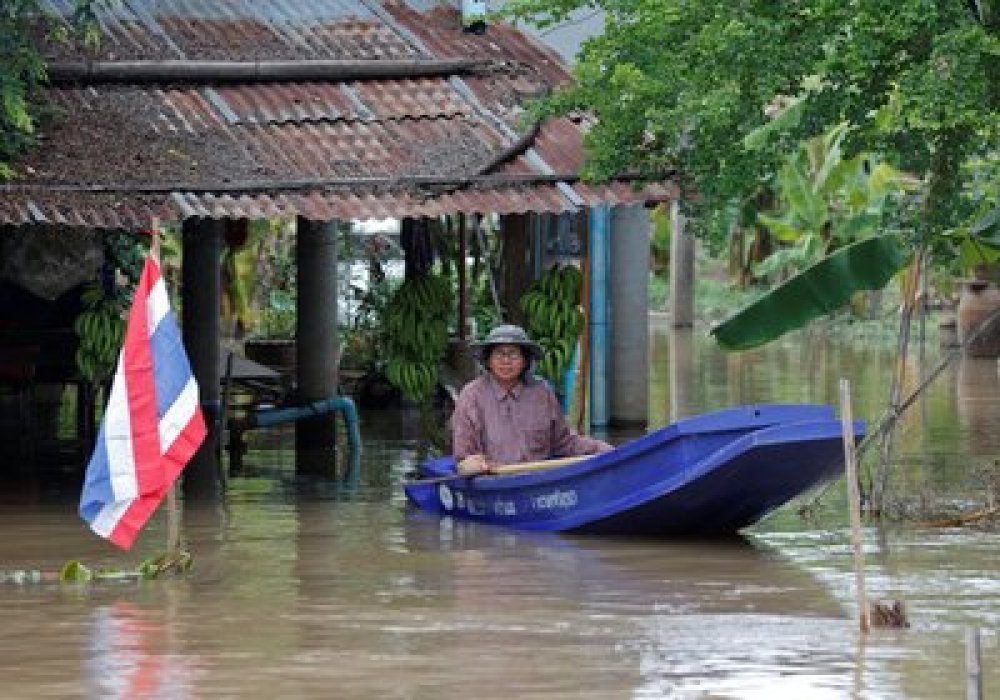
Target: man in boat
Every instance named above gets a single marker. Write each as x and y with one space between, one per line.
507 415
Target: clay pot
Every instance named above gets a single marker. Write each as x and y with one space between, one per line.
948 332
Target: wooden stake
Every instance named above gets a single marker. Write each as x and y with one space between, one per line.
154 245
173 521
463 292
583 368
973 665
854 501
173 516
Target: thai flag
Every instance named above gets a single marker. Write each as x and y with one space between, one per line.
152 425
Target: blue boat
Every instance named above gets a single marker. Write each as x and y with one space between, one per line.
708 475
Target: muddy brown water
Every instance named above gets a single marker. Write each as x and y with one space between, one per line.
339 590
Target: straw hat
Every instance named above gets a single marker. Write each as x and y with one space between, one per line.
508 334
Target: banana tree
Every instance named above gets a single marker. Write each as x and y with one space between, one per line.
822 288
829 210
826 201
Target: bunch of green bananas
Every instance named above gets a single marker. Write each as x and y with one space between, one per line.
416 324
555 317
101 330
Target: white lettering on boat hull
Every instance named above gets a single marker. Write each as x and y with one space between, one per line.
556 500
446 498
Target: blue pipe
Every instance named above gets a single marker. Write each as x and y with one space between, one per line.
600 313
266 417
569 380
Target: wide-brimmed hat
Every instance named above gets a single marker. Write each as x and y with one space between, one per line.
508 334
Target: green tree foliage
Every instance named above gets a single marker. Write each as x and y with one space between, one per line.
678 85
22 70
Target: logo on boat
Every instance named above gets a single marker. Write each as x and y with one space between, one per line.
445 496
505 508
554 500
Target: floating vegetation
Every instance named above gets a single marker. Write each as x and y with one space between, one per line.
74 571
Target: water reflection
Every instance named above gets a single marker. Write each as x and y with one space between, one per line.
129 653
741 574
681 373
978 401
689 618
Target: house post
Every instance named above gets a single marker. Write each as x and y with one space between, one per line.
201 288
516 269
629 362
316 346
681 270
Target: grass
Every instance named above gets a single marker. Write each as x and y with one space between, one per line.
714 298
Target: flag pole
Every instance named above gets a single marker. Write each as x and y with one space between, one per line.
173 515
173 521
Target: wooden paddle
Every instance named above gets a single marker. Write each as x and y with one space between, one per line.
507 469
537 466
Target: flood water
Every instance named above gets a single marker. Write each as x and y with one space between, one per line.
339 590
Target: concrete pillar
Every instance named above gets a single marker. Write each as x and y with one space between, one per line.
629 362
681 271
316 348
682 373
201 289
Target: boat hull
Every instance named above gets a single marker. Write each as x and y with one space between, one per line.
704 476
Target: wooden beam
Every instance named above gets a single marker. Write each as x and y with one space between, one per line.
173 71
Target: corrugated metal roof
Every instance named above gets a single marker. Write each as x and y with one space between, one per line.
237 30
119 154
434 31
136 211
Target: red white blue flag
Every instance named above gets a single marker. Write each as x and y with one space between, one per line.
152 425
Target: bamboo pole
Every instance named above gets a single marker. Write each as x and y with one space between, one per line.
895 391
583 368
173 515
173 521
854 501
973 665
484 249
463 292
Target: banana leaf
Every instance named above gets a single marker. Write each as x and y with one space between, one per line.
986 229
824 287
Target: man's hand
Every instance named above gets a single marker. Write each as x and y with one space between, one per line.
472 465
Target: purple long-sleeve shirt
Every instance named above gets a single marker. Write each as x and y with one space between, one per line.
524 424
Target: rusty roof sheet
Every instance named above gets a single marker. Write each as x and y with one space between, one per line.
136 211
236 30
434 32
116 155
